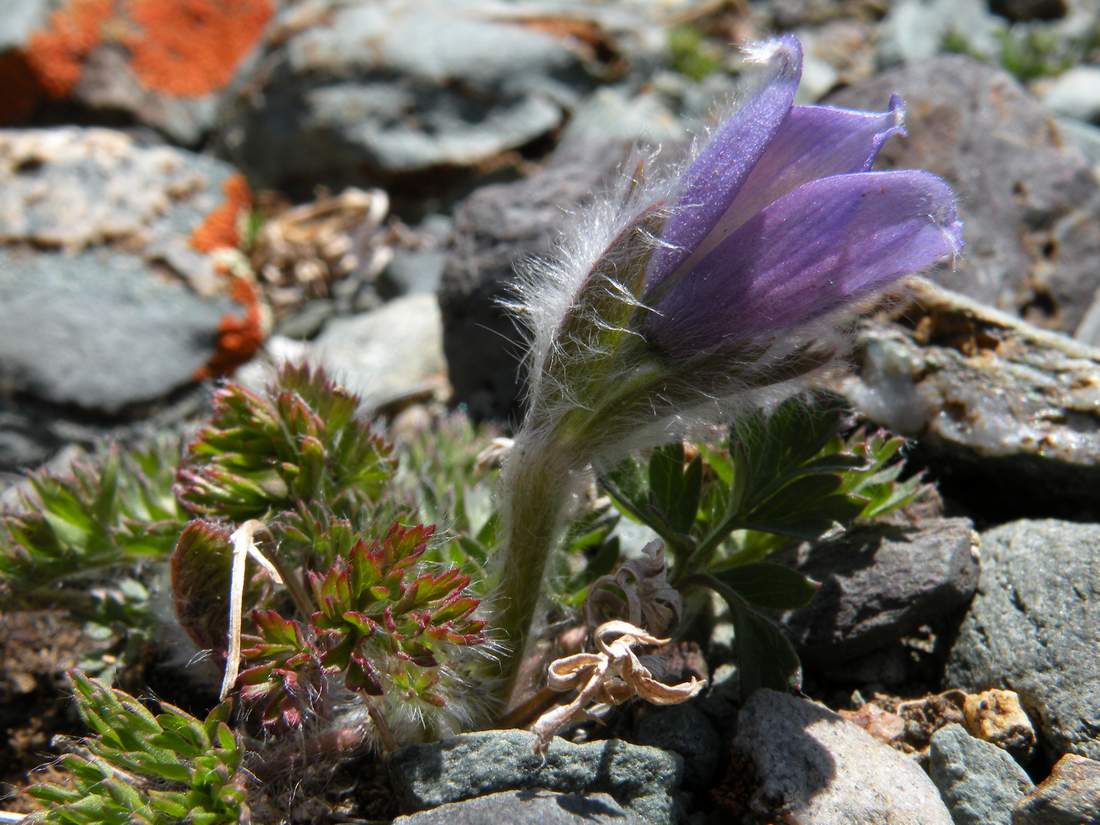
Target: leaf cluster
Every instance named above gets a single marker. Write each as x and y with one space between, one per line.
783 476
144 769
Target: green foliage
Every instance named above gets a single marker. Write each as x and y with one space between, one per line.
84 542
300 441
1030 51
785 476
389 627
144 769
691 54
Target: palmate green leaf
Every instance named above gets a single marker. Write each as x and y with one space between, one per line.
135 773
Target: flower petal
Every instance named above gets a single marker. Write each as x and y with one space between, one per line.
813 142
825 244
713 180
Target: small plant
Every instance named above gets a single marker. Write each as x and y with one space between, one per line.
138 768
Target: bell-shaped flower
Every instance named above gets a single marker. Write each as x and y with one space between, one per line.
685 298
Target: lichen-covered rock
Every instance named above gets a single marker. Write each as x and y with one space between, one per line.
1069 796
643 780
880 583
1007 407
1027 198
348 89
163 63
527 808
109 294
814 768
980 783
1032 628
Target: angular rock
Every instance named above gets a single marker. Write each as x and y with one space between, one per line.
396 87
1028 201
1069 796
390 355
880 583
160 63
642 780
814 768
980 783
527 808
1075 93
495 228
686 730
997 716
1005 411
1032 628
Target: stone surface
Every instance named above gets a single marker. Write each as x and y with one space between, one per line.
1027 199
527 808
642 780
878 584
441 84
1075 93
1022 10
1004 411
1032 628
162 64
686 730
979 782
915 30
814 768
389 355
998 717
99 275
1069 796
495 228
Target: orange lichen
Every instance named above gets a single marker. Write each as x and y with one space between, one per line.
221 228
56 54
190 48
239 336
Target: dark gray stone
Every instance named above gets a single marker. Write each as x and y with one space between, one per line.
1028 200
1007 409
527 808
815 768
495 228
686 730
1069 796
1023 10
980 783
394 87
880 583
642 780
1032 628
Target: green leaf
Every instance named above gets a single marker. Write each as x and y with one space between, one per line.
769 585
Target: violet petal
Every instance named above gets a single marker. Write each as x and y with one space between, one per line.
828 242
813 142
713 180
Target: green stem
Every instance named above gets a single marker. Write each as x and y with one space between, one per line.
536 486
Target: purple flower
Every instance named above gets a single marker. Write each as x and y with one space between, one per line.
778 221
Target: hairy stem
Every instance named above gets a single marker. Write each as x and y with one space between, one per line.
536 486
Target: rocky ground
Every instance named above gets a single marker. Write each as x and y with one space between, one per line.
191 188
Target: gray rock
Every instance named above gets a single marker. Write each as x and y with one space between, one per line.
1084 136
979 782
1069 796
527 808
880 583
399 87
21 21
1008 407
915 30
1027 199
1075 94
390 355
496 227
1032 628
686 730
414 271
642 780
814 768
99 283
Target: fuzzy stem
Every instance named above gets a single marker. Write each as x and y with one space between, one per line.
537 484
